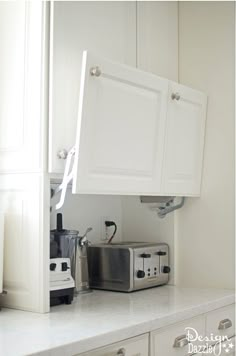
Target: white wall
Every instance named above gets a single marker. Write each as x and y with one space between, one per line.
83 211
205 226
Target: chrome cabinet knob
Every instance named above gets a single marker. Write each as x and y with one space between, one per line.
121 352
62 154
181 341
175 96
225 324
95 71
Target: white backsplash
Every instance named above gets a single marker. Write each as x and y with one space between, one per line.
82 211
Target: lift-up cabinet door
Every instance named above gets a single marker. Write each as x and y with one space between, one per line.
184 141
120 130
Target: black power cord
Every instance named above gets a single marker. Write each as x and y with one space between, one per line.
108 224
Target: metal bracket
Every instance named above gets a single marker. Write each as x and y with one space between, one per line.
67 178
163 205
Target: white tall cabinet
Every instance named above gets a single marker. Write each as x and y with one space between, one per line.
24 187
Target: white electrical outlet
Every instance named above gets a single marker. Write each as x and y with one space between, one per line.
107 231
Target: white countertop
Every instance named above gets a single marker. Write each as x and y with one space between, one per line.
101 318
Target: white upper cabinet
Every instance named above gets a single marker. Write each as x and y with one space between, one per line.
137 133
184 141
106 28
132 137
120 133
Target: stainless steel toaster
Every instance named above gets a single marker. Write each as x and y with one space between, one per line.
128 266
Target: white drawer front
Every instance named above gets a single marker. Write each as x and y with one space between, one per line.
137 346
221 322
171 341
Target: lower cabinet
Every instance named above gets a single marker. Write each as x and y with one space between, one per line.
137 346
225 348
174 340
221 322
212 333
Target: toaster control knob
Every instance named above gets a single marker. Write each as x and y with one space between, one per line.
140 274
53 266
166 269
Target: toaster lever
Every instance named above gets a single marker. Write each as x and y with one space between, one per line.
161 253
145 255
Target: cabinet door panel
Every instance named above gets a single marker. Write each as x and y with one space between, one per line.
184 141
120 130
108 29
225 348
21 75
26 236
162 341
220 318
137 346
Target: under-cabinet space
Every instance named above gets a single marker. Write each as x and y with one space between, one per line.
137 346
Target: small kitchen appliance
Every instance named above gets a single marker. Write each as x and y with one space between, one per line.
61 282
62 240
68 244
128 266
79 264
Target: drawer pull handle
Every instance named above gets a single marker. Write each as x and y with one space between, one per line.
95 71
225 324
121 352
175 96
181 341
